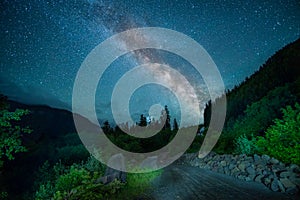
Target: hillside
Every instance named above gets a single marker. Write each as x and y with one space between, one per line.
255 103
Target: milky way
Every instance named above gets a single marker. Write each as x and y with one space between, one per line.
43 43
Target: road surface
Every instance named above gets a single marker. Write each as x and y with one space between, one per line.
188 183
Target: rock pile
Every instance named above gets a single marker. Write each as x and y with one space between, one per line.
269 171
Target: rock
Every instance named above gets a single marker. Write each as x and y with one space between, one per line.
116 161
278 168
274 161
265 158
295 180
281 187
265 172
242 166
223 163
235 172
250 170
241 177
287 183
256 158
248 179
209 163
227 171
266 181
295 168
231 166
274 185
260 167
249 159
252 176
293 190
286 174
258 178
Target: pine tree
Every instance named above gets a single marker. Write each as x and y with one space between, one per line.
175 125
143 121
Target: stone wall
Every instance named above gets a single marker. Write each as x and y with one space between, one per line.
272 173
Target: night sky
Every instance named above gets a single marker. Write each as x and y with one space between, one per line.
43 44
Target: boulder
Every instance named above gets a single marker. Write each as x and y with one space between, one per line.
295 168
281 187
293 190
274 161
250 170
287 183
266 180
223 163
286 174
295 180
116 161
242 166
256 158
265 158
248 179
258 178
231 166
274 185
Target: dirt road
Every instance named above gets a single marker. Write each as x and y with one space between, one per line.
188 183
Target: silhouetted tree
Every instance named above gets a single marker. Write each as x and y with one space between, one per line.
106 127
175 125
168 118
143 121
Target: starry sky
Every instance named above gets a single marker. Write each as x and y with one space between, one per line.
43 44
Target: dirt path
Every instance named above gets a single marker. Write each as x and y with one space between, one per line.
185 182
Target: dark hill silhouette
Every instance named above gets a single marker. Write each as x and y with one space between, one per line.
280 69
253 105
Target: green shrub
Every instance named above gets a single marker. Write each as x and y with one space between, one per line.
137 184
45 191
243 145
3 195
10 135
282 140
72 179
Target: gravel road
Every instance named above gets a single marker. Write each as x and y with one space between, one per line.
188 183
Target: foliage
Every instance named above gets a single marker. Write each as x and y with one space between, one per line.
137 184
244 145
62 181
72 153
79 182
10 134
256 119
3 195
282 140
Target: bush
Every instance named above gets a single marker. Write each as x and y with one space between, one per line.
79 182
75 177
243 145
10 135
282 140
137 184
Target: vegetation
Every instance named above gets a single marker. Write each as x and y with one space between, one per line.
254 121
10 135
282 140
79 181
